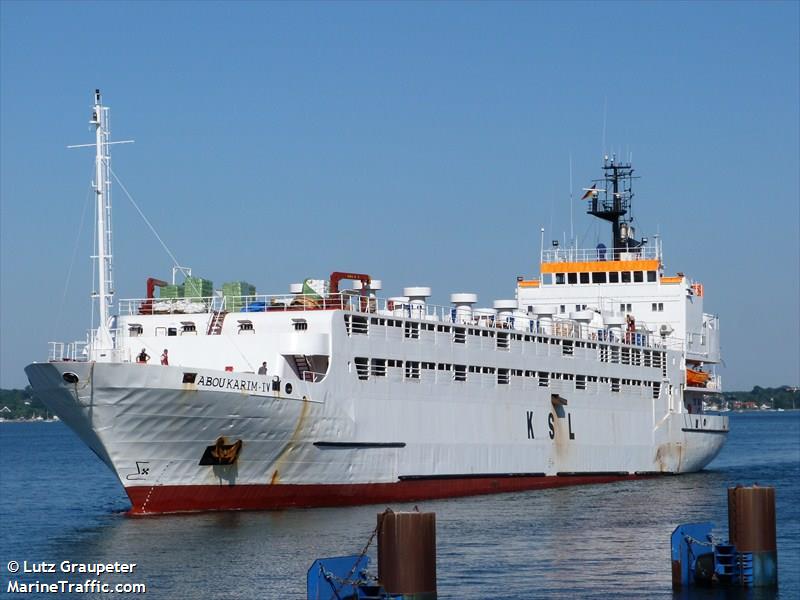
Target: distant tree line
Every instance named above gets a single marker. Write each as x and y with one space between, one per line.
21 404
785 397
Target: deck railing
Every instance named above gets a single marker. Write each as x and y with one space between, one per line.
353 301
555 255
67 351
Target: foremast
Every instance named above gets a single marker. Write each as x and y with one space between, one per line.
103 340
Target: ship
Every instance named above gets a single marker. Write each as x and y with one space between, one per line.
332 394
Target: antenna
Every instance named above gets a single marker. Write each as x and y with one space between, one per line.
605 111
541 247
571 220
103 341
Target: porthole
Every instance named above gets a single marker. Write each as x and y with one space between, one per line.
288 388
70 377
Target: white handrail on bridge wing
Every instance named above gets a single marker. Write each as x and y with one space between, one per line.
553 255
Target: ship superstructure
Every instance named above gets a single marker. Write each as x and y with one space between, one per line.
204 399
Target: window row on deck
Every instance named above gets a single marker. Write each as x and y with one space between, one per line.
429 372
502 340
601 277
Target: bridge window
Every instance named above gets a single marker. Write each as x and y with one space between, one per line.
651 276
572 277
613 277
584 277
598 277
638 276
626 276
560 278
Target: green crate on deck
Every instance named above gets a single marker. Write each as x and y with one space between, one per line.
197 287
171 291
237 293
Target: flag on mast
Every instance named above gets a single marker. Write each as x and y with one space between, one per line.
589 191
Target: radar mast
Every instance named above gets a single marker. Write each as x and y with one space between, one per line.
612 202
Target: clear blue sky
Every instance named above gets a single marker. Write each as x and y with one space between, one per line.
423 143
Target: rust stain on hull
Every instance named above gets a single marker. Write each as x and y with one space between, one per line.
291 443
669 457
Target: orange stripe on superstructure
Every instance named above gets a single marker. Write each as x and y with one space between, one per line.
677 279
531 283
600 266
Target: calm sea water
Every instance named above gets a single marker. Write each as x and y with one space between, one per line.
58 502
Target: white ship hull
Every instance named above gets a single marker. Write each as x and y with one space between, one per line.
324 445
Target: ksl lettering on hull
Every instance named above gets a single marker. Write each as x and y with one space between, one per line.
551 424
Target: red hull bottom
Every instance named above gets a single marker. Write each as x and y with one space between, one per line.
194 498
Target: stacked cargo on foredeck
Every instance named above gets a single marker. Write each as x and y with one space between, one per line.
197 287
238 294
171 291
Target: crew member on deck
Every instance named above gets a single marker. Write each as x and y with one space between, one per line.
165 358
143 357
262 370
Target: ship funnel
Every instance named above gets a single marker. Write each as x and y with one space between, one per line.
485 316
505 306
417 294
544 318
462 313
505 311
417 297
398 306
614 324
582 318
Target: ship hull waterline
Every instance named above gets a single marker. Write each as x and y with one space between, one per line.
146 500
143 452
